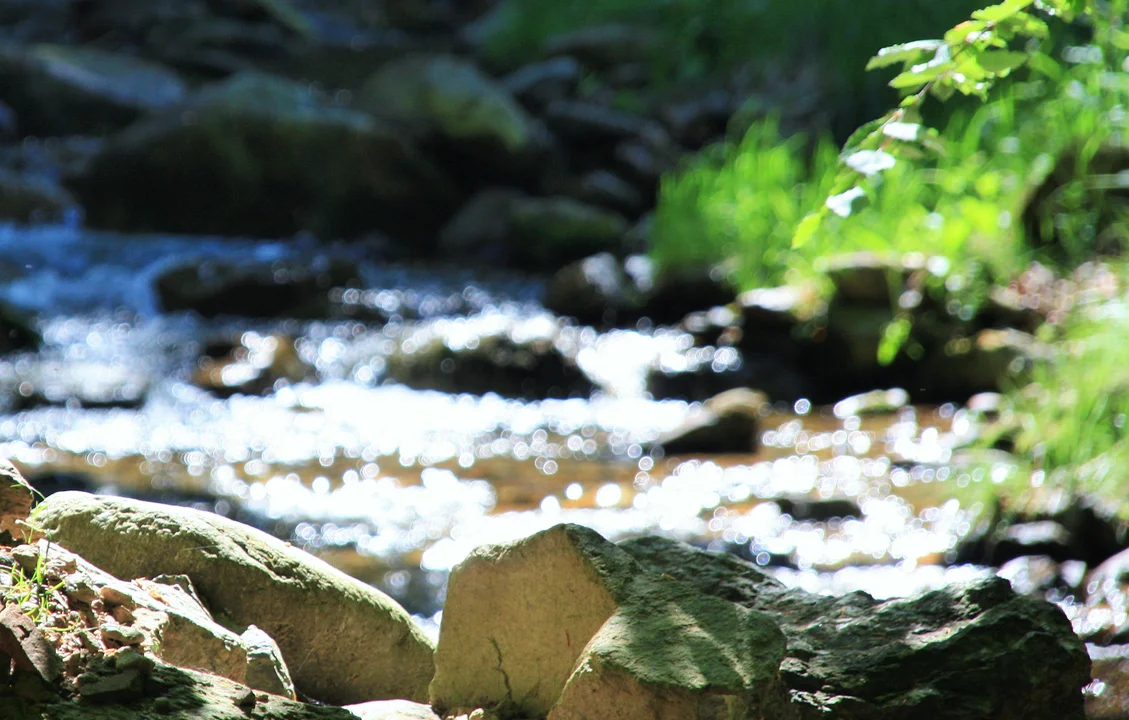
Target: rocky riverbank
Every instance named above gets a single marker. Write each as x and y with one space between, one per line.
127 609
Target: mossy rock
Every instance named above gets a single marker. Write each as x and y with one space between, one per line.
260 156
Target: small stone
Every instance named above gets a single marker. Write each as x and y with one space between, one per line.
112 632
113 596
113 687
79 588
246 699
27 557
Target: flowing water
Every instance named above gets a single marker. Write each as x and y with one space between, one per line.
396 486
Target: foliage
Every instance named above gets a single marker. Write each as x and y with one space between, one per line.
1072 417
969 60
700 37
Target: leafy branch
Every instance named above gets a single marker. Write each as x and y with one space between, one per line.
969 59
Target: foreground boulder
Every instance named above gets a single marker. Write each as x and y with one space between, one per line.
344 641
566 624
975 650
260 156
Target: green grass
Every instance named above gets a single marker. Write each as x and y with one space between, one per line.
741 203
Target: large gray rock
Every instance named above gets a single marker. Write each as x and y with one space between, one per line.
965 652
59 90
260 156
566 623
344 641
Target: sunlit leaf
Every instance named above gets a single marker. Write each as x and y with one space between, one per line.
1001 61
807 228
893 338
965 32
843 203
907 132
910 52
870 162
1006 9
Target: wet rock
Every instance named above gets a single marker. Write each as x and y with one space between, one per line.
975 650
595 291
865 278
61 90
260 156
620 647
307 606
473 115
17 331
75 383
280 289
874 402
509 361
670 295
255 365
818 509
726 423
33 200
16 499
696 121
392 710
991 360
503 226
602 46
540 83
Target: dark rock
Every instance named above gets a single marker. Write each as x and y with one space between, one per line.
593 122
17 331
540 83
281 289
503 226
606 189
528 368
23 643
602 46
641 163
595 291
818 509
255 365
9 125
669 296
970 651
33 200
699 120
865 278
59 90
726 423
260 156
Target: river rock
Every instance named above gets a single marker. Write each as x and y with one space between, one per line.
260 156
594 122
474 116
595 291
621 645
531 233
280 289
60 90
343 640
510 359
970 651
726 423
17 331
33 199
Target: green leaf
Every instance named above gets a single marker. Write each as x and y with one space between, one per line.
907 53
961 33
893 338
1001 62
807 228
995 13
867 131
870 162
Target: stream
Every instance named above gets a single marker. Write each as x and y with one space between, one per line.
395 486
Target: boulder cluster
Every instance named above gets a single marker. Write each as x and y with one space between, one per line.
122 609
